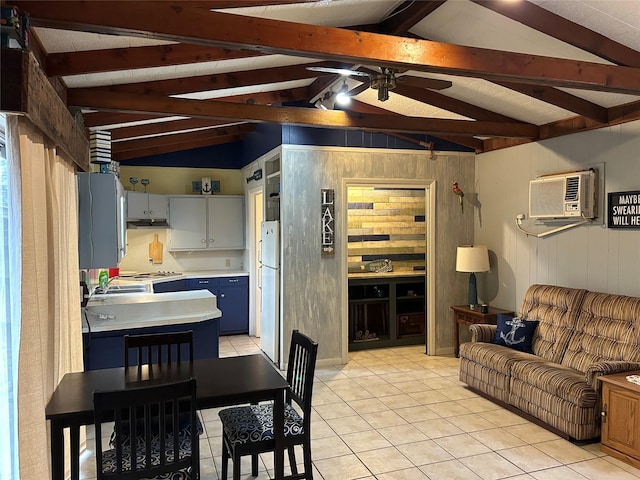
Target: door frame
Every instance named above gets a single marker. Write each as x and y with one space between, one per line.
429 186
254 263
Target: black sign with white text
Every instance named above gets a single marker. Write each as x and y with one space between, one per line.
624 210
328 221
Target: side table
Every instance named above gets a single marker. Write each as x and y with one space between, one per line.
464 315
621 418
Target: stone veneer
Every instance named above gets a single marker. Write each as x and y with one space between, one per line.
386 223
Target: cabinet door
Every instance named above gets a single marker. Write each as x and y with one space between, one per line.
157 206
171 286
210 284
621 422
226 222
233 301
137 205
187 220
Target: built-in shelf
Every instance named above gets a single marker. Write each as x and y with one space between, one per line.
386 311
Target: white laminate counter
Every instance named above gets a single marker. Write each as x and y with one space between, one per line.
138 310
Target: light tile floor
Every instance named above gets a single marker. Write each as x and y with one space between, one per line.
397 414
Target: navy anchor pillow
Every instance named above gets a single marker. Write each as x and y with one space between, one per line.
514 332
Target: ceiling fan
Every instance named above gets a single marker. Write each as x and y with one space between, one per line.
384 80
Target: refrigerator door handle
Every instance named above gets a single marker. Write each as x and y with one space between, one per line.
260 252
260 277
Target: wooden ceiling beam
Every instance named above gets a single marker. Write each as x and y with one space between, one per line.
203 83
406 16
168 127
547 22
107 60
451 104
126 102
279 37
98 120
173 138
560 99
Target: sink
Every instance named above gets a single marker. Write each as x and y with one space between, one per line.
136 288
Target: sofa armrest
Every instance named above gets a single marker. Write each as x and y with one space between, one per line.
482 332
610 367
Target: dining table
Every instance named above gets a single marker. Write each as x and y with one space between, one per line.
220 382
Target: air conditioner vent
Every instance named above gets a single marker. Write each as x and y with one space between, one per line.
563 195
573 186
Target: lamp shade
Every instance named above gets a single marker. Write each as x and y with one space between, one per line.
472 258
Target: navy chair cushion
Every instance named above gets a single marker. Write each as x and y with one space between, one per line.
515 332
254 423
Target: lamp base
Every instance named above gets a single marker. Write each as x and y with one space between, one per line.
473 291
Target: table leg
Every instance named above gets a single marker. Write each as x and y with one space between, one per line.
278 425
456 336
57 450
75 452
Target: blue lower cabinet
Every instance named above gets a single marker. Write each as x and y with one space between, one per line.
180 285
106 349
232 295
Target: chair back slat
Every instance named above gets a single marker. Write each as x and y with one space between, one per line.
300 370
157 348
148 424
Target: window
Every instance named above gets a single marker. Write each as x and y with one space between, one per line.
10 294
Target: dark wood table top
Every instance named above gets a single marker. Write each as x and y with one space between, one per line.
220 382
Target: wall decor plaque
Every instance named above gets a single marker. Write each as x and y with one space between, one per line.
623 210
328 220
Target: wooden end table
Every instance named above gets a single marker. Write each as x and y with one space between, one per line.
464 315
621 418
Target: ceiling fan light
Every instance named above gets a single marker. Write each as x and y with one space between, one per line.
342 98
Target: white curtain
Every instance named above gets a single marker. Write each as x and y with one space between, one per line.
51 334
10 254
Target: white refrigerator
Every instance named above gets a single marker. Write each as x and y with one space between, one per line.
270 285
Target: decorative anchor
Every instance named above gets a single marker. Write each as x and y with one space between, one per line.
459 193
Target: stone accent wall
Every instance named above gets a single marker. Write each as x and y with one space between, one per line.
386 223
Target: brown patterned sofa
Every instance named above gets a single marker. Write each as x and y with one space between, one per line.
581 335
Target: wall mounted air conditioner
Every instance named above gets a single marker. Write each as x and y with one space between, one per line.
564 196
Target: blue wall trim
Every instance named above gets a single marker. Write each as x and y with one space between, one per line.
268 136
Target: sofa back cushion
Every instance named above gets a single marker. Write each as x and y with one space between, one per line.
556 310
608 328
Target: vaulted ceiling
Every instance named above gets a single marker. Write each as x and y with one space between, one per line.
172 75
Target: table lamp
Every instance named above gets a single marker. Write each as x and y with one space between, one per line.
472 258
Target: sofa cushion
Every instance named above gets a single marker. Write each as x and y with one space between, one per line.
556 309
487 367
608 329
561 382
514 332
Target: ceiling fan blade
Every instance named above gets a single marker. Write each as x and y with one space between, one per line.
422 82
357 90
338 71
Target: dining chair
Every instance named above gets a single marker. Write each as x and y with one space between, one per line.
157 348
248 430
145 421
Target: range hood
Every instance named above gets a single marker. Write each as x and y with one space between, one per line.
147 223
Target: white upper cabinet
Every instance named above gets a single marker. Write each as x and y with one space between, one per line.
206 223
142 205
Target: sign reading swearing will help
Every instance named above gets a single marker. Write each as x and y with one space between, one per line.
328 221
624 210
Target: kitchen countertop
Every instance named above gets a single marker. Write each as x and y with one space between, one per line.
183 275
137 310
